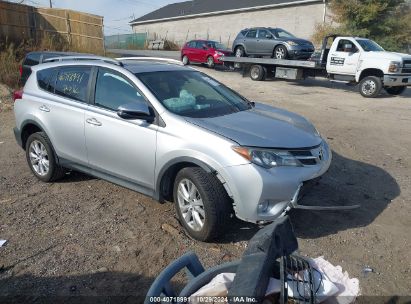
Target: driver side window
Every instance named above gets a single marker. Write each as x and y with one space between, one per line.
113 90
346 46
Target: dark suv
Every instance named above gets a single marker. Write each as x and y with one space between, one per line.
35 58
274 42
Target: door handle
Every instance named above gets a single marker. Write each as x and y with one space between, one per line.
44 108
94 122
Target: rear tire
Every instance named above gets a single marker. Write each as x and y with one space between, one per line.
280 52
208 203
370 86
185 60
42 159
210 62
239 52
395 90
258 72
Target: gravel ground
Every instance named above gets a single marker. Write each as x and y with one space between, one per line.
84 236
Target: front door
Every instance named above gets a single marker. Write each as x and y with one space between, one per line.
344 58
119 148
265 43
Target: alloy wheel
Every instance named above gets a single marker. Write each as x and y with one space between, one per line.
191 204
39 158
280 53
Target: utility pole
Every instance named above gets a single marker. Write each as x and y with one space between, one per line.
51 4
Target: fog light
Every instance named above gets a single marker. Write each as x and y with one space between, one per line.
263 207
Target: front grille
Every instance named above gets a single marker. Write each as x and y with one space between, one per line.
406 67
305 157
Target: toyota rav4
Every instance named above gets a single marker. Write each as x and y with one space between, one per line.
169 132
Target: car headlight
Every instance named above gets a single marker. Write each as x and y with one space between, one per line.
292 43
268 158
394 67
219 53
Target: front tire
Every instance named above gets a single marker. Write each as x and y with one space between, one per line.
280 52
395 90
201 202
370 86
41 158
210 62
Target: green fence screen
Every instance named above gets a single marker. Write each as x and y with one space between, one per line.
126 41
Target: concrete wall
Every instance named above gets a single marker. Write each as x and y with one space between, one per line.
299 20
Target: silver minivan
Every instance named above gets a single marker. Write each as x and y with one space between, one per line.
169 132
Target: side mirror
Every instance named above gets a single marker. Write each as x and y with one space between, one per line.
205 48
269 36
136 110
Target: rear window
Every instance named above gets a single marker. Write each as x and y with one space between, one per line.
44 78
32 59
72 82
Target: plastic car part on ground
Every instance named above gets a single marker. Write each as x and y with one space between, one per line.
332 285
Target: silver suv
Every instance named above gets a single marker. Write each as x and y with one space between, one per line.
169 132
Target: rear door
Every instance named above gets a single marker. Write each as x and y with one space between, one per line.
251 42
63 110
344 57
118 148
190 49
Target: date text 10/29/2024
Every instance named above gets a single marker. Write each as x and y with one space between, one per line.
202 299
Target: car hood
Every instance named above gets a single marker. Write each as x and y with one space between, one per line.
389 56
298 41
225 51
263 126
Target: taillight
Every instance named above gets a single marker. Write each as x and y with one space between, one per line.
18 94
21 70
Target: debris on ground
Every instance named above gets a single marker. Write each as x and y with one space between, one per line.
2 242
170 229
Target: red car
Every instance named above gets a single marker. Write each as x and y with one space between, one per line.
203 51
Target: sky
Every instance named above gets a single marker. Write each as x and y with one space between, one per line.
116 13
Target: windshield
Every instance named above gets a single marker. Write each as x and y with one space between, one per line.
280 33
216 45
369 45
193 94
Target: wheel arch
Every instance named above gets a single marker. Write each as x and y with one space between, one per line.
29 127
370 72
167 174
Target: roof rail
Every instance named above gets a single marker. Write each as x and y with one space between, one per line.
158 59
83 57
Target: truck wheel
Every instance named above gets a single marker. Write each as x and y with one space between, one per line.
258 72
370 86
395 90
210 62
41 158
202 203
239 51
280 52
185 60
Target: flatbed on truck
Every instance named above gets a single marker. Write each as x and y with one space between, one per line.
347 59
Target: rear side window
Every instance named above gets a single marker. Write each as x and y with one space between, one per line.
72 82
252 34
191 44
44 78
32 59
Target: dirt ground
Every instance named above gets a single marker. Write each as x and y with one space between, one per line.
85 236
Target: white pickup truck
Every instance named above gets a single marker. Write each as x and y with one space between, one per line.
348 59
